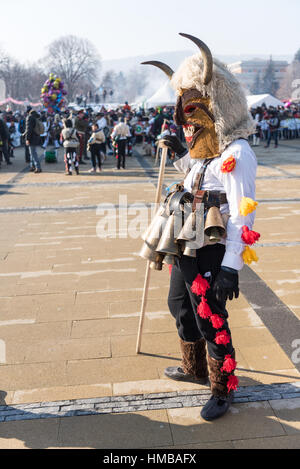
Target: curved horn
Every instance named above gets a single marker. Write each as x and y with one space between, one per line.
207 57
165 68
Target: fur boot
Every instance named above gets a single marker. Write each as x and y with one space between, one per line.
218 379
222 396
194 363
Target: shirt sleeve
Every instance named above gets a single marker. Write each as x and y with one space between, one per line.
183 164
237 184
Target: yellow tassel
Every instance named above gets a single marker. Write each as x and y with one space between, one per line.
247 206
249 255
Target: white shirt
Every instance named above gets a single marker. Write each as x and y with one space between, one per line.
122 131
237 184
102 123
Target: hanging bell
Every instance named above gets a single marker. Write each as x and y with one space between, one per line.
189 252
155 229
214 226
158 264
167 244
148 253
188 231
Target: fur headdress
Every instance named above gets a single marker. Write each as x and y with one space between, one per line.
229 104
228 100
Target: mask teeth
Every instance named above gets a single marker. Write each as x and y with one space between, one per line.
189 130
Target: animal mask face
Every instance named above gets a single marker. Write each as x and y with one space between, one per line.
193 111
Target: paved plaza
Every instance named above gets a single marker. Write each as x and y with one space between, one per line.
69 312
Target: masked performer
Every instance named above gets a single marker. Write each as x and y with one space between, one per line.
205 223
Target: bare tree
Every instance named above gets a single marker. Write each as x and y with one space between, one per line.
22 81
75 60
291 79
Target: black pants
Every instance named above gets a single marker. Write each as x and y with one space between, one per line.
183 303
121 153
96 155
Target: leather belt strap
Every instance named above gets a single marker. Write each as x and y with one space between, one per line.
210 199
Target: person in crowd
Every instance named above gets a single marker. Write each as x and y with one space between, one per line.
4 140
119 136
32 139
70 144
274 124
81 126
95 145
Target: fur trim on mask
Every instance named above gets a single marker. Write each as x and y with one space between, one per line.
229 104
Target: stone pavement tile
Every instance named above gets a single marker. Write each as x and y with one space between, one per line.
42 331
251 336
250 378
243 421
104 327
111 295
154 322
278 442
126 307
204 446
267 358
87 284
31 376
112 370
288 414
24 289
59 393
33 434
121 369
153 386
68 349
166 343
89 311
123 431
244 317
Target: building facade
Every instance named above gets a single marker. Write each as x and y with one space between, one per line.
248 71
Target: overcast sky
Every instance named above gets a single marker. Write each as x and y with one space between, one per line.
120 28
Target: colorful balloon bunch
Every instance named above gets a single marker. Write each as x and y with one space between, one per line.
53 94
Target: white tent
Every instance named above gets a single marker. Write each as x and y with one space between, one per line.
255 100
165 96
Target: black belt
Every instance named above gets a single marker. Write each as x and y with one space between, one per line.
210 199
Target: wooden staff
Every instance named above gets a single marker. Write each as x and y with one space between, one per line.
148 270
158 146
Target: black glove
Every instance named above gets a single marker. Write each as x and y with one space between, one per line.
226 285
174 144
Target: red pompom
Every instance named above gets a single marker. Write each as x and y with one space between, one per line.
200 286
217 321
222 338
204 310
233 383
229 364
249 237
170 269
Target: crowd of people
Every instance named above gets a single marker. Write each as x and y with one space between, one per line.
280 123
87 137
90 137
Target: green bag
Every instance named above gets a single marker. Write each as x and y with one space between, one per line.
51 156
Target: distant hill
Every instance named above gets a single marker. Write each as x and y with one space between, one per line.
155 78
175 58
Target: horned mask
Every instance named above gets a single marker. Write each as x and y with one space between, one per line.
211 105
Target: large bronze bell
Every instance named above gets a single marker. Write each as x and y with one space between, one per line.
158 263
214 226
154 232
188 231
189 252
167 244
